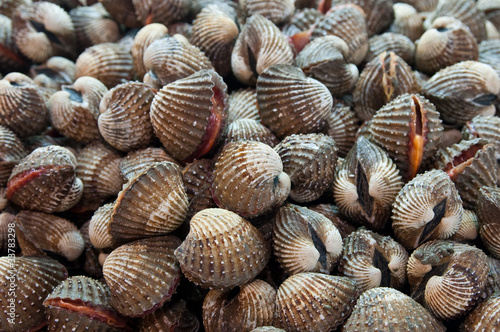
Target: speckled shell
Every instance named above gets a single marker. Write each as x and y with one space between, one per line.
462 91
381 81
485 317
43 29
74 110
391 42
332 212
45 181
249 178
6 223
110 63
342 125
197 178
214 32
427 208
469 227
152 203
447 277
366 184
142 275
303 19
305 241
309 160
373 260
243 105
314 302
222 250
488 210
249 130
290 103
484 126
260 45
409 129
171 58
447 42
471 165
160 11
240 309
99 227
143 38
137 161
188 115
324 59
170 316
407 21
11 152
387 309
34 279
277 12
22 107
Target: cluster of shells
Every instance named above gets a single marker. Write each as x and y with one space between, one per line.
250 165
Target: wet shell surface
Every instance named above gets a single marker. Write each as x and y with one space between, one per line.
248 178
11 152
99 227
142 275
391 42
342 125
485 317
489 53
222 250
249 130
314 302
53 73
145 37
170 316
135 162
243 105
488 210
197 178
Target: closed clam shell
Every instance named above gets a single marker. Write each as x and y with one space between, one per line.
243 104
22 107
31 279
45 181
53 73
171 58
137 161
145 37
485 317
249 130
124 120
325 59
214 32
11 152
407 21
332 212
493 280
52 233
197 177
142 275
381 81
260 45
470 164
373 260
303 19
484 126
276 11
448 278
239 309
222 250
391 42
427 208
152 203
290 103
447 42
188 115
387 309
366 184
342 125
311 301
489 53
305 241
74 110
99 227
82 301
110 63
409 129
123 12
469 227
309 160
164 12
248 178
488 210
170 316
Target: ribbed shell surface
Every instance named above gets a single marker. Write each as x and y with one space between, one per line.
278 11
11 152
488 210
243 104
407 21
143 38
99 228
249 130
197 178
166 12
170 316
342 125
489 53
391 42
137 161
485 317
332 212
484 126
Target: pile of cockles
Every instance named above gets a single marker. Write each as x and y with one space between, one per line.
251 165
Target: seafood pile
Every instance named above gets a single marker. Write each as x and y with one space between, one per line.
251 165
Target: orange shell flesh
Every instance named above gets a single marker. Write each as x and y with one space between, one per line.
417 136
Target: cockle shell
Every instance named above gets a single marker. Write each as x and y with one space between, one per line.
314 302
488 210
469 227
243 104
342 125
222 250
11 59
485 317
493 280
407 21
484 126
9 6
278 11
290 103
11 152
53 73
188 115
45 181
142 275
427 208
373 260
248 178
260 45
122 12
137 161
409 129
74 110
197 178
366 184
170 316
240 309
447 277
164 12
491 9
305 241
99 227
489 53
332 212
91 264
391 42
145 37
387 309
249 130
25 285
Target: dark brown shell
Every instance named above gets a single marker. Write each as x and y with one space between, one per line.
197 178
485 317
391 42
278 11
170 316
11 152
488 210
160 11
143 38
342 125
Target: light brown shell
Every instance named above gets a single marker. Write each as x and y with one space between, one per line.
143 38
332 212
484 126
137 161
249 130
99 227
11 152
469 227
142 275
493 280
314 302
11 59
407 21
197 178
492 10
260 45
342 125
222 250
242 104
391 42
248 178
447 277
170 316
9 6
290 103
387 309
53 73
240 309
366 184
305 241
165 12
188 115
488 210
485 317
278 11
489 53
45 181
